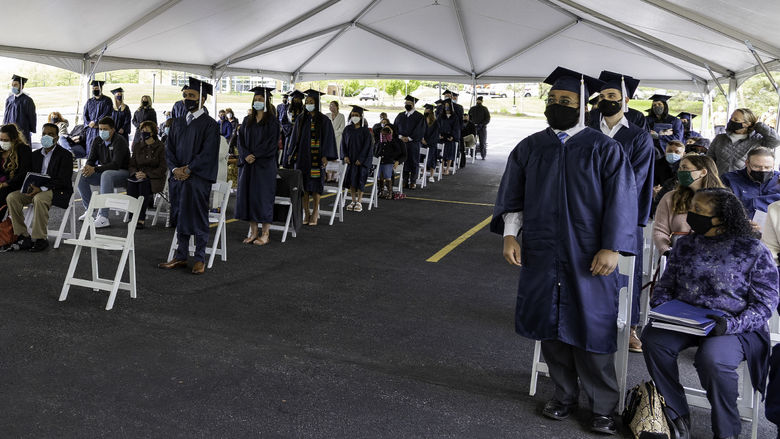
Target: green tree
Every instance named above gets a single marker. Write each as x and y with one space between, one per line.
392 87
351 88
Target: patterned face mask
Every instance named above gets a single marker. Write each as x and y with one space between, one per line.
385 137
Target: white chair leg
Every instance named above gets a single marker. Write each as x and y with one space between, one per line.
133 292
117 279
95 270
71 271
535 367
174 244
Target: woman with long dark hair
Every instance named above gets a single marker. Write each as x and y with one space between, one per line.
15 160
146 168
144 113
258 137
722 266
313 144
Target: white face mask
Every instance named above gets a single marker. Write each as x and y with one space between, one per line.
309 107
5 146
258 106
355 119
229 115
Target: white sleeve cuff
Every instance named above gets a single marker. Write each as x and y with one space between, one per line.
43 188
513 222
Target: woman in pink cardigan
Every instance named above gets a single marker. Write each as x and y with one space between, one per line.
695 172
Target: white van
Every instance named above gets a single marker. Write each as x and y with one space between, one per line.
369 94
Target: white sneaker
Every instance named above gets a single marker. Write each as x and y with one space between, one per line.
431 180
351 206
83 216
101 222
358 207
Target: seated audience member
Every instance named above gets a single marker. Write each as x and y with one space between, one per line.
14 160
697 145
757 186
106 167
146 168
743 133
665 171
469 129
695 172
57 163
391 152
56 118
165 128
721 266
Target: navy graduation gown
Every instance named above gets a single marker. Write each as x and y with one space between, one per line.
690 134
577 198
257 181
412 126
195 145
449 127
300 148
122 120
178 109
357 145
661 141
94 110
431 137
21 111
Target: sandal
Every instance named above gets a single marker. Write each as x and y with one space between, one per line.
249 239
260 241
351 206
358 207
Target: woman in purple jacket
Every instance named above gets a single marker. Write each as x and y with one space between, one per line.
721 266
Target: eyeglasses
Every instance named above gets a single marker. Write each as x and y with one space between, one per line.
562 101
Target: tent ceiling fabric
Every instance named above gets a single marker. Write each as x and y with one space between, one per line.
665 43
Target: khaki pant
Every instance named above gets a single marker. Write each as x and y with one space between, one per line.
41 203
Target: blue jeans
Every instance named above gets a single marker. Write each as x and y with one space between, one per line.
107 180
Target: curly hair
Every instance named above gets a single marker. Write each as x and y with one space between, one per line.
727 207
15 135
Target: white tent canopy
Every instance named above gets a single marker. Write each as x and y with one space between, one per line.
681 45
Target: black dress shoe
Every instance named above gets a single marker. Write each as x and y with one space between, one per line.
683 426
24 243
556 410
39 245
603 424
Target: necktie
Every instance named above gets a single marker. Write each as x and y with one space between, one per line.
189 118
562 136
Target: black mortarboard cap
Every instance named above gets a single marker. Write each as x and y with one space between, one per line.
296 94
98 83
455 93
313 93
411 98
446 91
117 90
202 87
429 106
18 78
612 80
662 98
263 91
439 102
686 115
358 110
564 79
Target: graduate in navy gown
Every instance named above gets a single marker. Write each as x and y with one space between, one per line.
258 145
356 151
449 132
284 118
96 108
638 147
192 155
659 113
430 140
313 145
20 108
294 110
410 128
636 117
570 190
686 119
121 114
178 109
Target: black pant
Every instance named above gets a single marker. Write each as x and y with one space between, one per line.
482 134
596 372
141 188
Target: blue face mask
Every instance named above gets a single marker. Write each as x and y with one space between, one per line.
105 134
47 141
15 90
167 130
258 106
673 158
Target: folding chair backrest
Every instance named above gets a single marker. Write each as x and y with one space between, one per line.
626 268
120 202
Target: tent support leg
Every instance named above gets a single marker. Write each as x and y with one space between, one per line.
768 76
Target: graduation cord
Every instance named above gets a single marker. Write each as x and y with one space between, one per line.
652 282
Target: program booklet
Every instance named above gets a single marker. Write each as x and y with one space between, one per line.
34 178
679 316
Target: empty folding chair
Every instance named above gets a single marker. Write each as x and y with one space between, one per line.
160 201
399 171
338 206
219 244
373 180
89 238
625 268
440 162
423 168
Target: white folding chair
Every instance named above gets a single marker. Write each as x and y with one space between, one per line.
219 244
774 328
400 172
649 265
373 179
440 162
625 268
748 401
338 205
422 170
473 152
96 241
160 200
456 162
286 228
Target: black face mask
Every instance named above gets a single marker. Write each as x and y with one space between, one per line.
191 104
95 92
144 103
561 117
610 108
408 107
761 176
55 119
700 224
145 135
733 126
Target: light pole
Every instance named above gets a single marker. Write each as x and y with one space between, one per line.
154 84
406 81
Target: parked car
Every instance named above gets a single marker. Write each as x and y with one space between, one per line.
369 94
491 92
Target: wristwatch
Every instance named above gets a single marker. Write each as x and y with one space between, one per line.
187 170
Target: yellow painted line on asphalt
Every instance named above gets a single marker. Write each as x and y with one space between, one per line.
450 201
458 241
